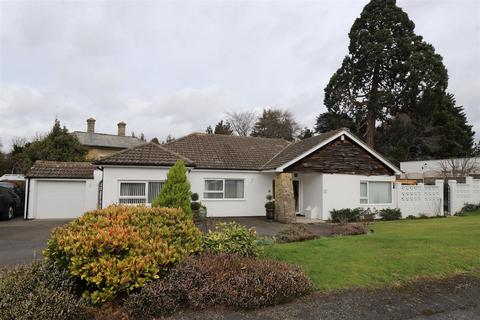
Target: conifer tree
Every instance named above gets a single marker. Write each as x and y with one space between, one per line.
175 193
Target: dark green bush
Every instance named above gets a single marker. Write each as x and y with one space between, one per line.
232 238
346 215
390 214
195 206
195 197
39 291
468 208
294 233
120 248
219 280
411 217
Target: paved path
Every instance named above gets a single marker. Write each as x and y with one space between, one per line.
22 241
266 227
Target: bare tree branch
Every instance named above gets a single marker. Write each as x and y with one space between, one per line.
457 168
242 123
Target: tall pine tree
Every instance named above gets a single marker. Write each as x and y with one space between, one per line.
390 71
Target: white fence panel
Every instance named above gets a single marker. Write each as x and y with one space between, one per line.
420 199
462 193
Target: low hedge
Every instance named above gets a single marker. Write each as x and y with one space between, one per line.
346 215
226 280
120 248
232 238
390 214
39 291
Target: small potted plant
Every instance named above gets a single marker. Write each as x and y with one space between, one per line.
270 206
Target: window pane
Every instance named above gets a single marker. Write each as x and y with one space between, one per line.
234 189
153 190
364 200
363 189
132 189
379 192
213 195
214 185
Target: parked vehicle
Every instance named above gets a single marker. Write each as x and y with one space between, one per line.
11 200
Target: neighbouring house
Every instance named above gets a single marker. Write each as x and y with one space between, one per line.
61 190
428 170
233 174
102 144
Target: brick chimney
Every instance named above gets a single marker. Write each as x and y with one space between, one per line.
91 125
121 128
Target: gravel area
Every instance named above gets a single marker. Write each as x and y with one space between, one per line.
452 298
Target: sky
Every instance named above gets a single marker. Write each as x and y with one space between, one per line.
177 67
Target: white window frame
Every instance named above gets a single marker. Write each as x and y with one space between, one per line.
146 182
368 194
223 190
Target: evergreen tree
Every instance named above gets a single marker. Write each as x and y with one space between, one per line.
155 140
57 145
209 130
393 79
305 133
223 128
328 121
175 193
387 69
275 123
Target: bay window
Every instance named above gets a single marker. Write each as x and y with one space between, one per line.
224 189
375 192
139 192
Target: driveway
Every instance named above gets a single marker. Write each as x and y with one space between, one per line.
22 241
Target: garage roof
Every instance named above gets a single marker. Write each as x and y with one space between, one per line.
63 170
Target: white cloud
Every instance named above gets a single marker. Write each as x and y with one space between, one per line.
175 67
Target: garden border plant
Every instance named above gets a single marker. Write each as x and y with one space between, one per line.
120 248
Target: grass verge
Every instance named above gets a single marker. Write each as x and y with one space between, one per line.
395 252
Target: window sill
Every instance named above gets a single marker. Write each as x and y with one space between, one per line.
205 200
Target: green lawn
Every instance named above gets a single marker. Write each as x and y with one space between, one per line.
395 252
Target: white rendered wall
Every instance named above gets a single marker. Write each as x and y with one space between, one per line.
311 185
256 186
112 176
343 191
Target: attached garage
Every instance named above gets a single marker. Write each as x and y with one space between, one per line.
61 190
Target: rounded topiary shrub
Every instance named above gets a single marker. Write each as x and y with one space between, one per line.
227 280
120 248
39 291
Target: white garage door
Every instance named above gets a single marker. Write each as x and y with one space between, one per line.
60 199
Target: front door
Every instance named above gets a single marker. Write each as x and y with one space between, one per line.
296 184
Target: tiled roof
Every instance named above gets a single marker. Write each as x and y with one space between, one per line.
106 140
66 170
147 154
296 149
214 151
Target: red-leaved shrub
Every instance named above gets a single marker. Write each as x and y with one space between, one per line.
350 229
219 280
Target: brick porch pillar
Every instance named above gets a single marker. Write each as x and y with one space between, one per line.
284 198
